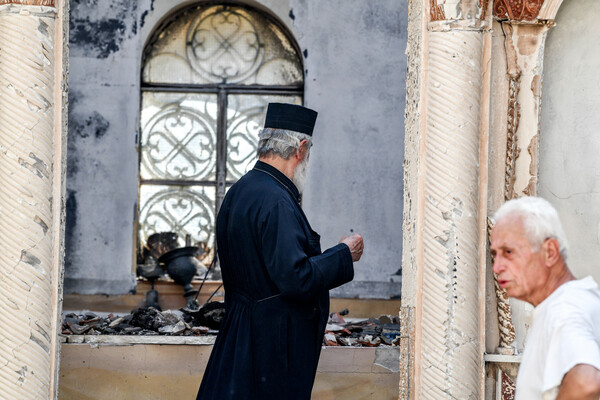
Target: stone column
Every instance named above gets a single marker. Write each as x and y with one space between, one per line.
450 234
32 128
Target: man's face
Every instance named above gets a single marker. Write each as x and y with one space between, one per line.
521 269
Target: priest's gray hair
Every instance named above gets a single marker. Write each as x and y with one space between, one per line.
540 221
282 142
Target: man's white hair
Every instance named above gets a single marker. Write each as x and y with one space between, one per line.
540 220
282 142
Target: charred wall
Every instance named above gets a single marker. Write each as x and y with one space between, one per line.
355 71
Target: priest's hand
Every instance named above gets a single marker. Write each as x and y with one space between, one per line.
355 244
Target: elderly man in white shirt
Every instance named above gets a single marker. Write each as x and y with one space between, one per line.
561 359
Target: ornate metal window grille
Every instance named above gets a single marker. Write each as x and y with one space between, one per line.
207 76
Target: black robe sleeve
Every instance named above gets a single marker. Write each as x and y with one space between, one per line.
294 261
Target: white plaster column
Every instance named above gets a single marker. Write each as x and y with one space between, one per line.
451 231
32 125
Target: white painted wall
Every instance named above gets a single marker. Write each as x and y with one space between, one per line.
570 130
355 77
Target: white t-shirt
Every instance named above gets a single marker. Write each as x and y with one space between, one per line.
565 331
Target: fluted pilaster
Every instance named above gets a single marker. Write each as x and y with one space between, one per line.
28 278
450 321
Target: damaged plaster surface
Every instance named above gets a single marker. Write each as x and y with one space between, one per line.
355 77
102 146
411 152
524 50
456 10
411 204
388 358
98 35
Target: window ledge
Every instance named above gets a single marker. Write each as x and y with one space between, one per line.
128 340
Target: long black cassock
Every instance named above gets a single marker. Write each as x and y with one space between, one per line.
277 285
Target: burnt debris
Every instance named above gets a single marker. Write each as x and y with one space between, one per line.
148 321
362 332
340 331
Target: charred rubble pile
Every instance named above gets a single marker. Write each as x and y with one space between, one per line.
361 332
148 321
356 332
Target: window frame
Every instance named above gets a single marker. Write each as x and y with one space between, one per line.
222 91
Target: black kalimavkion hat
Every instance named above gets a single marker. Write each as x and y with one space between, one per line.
291 117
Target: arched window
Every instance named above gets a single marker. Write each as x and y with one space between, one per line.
207 76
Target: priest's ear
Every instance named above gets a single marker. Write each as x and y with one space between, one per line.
303 149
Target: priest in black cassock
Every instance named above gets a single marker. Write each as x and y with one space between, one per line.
276 278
